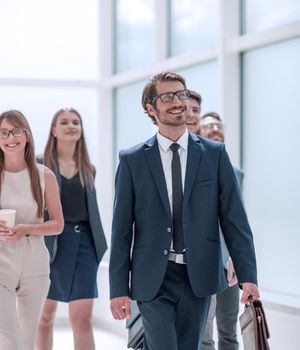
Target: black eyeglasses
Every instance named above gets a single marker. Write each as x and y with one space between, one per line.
169 96
16 132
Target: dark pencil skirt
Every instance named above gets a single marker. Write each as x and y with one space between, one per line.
73 273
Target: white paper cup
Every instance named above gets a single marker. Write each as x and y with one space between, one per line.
9 216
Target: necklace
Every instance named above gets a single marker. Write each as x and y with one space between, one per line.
67 169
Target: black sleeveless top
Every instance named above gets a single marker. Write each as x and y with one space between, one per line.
73 200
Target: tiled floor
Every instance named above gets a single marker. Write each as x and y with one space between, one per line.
104 340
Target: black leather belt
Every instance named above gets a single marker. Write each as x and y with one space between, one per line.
177 258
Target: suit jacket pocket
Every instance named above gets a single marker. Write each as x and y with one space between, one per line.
214 240
206 182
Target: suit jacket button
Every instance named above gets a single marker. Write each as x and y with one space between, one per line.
166 252
169 229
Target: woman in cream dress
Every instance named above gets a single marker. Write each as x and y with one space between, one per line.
24 259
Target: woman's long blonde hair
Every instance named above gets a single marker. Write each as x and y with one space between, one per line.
17 119
81 155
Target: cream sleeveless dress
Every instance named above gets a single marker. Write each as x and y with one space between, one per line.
24 266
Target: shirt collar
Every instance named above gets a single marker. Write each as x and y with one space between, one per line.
165 143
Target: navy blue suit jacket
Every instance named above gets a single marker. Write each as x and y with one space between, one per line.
93 212
142 221
225 254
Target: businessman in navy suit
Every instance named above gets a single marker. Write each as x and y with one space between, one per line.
172 282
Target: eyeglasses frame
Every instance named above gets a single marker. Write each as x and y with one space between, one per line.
220 126
173 93
11 132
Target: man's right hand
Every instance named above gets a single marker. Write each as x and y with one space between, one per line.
120 307
231 276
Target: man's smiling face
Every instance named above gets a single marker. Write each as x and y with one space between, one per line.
193 116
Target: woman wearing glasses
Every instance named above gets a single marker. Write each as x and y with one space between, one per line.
28 188
82 244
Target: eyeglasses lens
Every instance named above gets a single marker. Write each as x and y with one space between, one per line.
17 132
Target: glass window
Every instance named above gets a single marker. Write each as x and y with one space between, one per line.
203 79
261 15
132 124
49 39
271 124
194 25
135 34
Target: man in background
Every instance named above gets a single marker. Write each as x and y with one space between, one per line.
224 305
194 110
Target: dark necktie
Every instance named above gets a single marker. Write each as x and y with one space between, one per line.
177 195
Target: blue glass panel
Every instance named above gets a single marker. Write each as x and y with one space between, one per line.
261 15
194 25
135 34
271 125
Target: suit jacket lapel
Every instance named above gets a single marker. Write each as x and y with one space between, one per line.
56 170
193 160
155 165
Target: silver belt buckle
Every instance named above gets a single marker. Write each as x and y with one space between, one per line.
179 259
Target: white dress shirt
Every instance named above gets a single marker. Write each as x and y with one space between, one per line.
166 156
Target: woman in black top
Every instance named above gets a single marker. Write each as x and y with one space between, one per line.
77 252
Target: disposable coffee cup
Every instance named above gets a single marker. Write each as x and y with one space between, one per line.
9 216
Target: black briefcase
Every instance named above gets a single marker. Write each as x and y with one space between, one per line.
135 328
